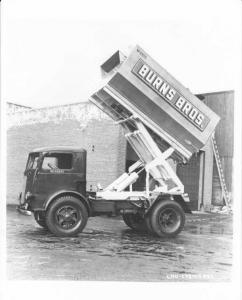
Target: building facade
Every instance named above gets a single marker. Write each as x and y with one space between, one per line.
82 125
200 175
108 154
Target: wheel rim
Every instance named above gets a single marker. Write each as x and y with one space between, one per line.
169 220
67 217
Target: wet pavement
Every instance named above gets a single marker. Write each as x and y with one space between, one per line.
108 250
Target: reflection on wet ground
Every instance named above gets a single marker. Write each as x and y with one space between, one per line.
108 250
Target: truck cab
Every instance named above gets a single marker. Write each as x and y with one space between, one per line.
52 172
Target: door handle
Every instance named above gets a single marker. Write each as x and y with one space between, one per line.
78 181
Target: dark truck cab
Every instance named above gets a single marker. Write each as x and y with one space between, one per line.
51 173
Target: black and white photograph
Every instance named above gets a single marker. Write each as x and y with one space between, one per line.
120 149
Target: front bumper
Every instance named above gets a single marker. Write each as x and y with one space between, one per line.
23 206
21 209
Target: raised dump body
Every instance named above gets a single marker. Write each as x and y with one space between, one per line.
139 87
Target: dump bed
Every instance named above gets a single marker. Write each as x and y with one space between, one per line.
139 87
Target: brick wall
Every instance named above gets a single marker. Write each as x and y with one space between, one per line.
72 125
84 125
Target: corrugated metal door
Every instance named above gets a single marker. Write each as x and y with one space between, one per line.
189 175
223 104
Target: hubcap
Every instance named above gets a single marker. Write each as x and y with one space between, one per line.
67 217
169 220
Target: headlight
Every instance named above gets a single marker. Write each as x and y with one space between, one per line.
28 195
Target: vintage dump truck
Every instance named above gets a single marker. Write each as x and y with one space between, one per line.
161 119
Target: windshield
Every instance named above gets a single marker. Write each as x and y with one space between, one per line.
32 161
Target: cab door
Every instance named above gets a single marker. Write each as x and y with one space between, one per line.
57 173
30 172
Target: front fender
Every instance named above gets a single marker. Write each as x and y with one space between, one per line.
68 193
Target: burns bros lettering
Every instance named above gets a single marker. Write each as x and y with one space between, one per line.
167 92
190 111
157 82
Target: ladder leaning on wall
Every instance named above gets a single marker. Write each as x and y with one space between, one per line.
225 194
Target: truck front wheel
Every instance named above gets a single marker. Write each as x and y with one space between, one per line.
167 218
66 216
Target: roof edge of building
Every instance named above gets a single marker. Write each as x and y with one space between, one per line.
49 107
214 93
20 105
61 105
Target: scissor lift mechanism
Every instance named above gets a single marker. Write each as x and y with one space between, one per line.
151 159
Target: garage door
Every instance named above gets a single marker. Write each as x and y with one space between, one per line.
189 175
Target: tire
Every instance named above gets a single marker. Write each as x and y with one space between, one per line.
135 221
167 218
40 219
66 216
148 223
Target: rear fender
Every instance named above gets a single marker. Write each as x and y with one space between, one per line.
185 205
178 198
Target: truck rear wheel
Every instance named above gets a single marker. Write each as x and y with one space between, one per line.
40 218
167 218
135 221
66 216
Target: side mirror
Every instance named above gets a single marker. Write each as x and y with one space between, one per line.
36 173
39 161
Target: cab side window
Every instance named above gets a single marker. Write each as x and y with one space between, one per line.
54 161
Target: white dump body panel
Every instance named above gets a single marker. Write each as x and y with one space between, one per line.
140 87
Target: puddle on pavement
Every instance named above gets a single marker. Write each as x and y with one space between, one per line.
126 242
196 246
105 243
